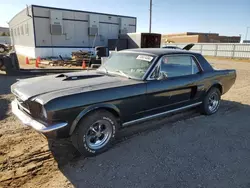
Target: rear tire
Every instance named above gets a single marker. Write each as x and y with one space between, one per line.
211 102
95 133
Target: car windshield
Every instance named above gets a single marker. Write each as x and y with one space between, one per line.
130 65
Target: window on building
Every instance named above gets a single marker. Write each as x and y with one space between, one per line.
21 28
26 29
15 31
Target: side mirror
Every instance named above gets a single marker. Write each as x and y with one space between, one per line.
161 76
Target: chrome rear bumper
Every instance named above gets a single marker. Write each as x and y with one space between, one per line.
29 121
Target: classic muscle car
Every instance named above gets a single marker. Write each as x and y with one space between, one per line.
133 86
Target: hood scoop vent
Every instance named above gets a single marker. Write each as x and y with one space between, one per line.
76 77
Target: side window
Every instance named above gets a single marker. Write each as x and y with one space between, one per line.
195 68
173 66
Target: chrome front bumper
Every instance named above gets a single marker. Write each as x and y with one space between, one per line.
29 121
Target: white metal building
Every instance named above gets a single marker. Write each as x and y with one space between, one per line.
47 31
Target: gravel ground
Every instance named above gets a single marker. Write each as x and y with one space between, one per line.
184 150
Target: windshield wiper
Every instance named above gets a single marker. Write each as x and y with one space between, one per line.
124 74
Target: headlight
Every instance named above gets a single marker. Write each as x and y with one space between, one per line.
37 110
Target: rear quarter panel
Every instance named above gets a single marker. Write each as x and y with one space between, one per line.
211 77
224 78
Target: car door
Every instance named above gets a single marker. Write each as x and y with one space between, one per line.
175 82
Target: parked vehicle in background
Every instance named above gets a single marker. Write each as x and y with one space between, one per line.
133 86
4 48
187 47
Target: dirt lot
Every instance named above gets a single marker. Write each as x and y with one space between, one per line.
184 150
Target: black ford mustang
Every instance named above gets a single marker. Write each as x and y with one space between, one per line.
131 87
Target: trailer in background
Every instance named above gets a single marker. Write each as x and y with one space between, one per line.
117 44
135 40
142 40
40 31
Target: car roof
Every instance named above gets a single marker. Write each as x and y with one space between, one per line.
158 51
176 47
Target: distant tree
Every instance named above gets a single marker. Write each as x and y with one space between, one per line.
3 34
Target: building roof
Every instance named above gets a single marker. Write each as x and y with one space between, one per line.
192 33
54 8
72 10
158 51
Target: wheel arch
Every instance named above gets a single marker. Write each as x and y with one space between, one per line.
216 85
109 107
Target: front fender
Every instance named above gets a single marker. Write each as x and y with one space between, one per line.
90 109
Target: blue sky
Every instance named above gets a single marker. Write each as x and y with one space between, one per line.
227 17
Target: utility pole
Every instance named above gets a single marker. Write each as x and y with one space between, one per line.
246 33
150 16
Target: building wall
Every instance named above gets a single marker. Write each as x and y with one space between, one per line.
226 39
180 39
37 40
75 28
176 34
55 52
4 30
202 38
209 38
21 29
28 51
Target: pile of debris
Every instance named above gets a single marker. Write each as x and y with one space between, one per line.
5 48
77 58
58 61
82 55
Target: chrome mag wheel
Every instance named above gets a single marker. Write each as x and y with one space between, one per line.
98 134
213 102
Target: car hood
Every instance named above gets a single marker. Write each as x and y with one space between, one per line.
45 88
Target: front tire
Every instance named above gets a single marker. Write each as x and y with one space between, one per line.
95 133
211 102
